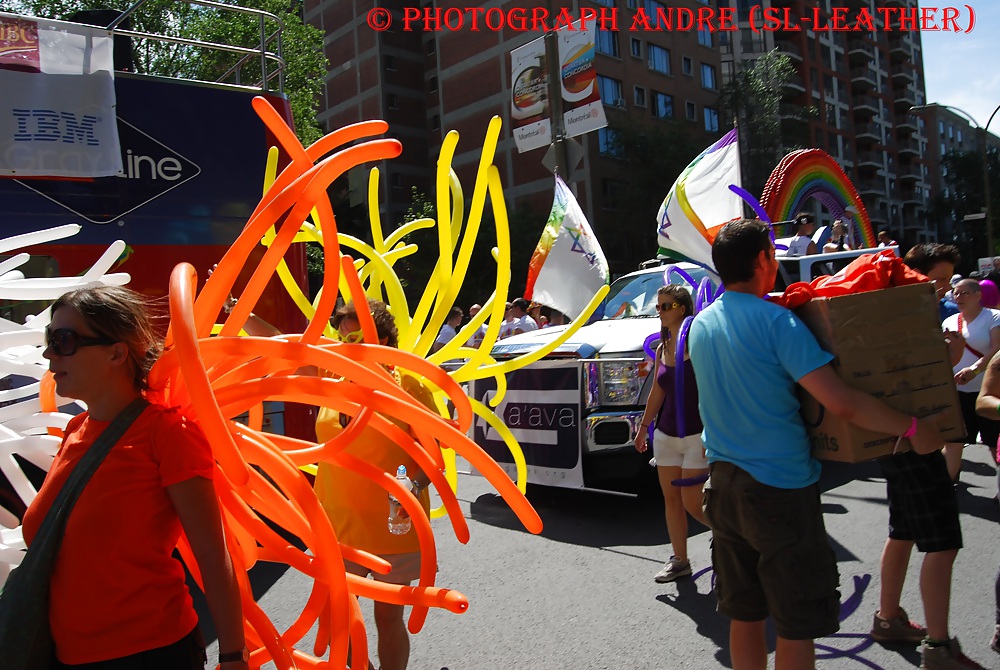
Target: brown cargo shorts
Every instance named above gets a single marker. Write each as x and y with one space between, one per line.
771 555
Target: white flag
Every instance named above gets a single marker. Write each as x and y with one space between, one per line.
568 266
57 111
700 202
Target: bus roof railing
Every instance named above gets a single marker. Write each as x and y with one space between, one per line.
266 54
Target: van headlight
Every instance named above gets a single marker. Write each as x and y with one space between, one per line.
616 382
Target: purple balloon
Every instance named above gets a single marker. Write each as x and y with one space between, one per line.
752 201
647 345
679 375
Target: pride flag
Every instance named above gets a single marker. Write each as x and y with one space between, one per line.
568 266
700 202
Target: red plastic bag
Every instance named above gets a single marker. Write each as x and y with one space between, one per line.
869 272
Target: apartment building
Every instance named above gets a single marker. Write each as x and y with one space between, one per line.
428 82
863 84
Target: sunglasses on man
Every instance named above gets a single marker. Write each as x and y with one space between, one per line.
66 341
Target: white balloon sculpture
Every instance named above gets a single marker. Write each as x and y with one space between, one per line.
23 426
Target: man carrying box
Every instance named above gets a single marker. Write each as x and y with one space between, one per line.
769 545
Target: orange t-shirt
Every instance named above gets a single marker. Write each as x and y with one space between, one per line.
358 507
116 590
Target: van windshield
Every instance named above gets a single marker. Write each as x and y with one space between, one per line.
635 295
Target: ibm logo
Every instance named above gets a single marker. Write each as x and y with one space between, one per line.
46 125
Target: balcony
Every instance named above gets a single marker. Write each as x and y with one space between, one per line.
904 98
860 51
864 78
795 84
903 74
871 187
789 48
790 112
907 123
901 50
908 148
868 132
875 159
865 104
909 173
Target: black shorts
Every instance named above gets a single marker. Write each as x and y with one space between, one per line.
923 507
977 426
771 555
188 653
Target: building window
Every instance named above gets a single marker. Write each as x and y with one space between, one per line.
941 128
436 122
611 91
958 136
605 3
390 63
396 179
431 47
433 87
705 38
687 66
639 96
663 105
659 58
951 132
392 101
689 111
655 10
711 120
608 143
636 47
708 76
606 42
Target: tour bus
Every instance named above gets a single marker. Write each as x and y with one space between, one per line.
193 154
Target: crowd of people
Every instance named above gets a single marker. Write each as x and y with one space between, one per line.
730 450
520 316
771 555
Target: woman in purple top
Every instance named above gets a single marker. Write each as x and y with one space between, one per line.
677 447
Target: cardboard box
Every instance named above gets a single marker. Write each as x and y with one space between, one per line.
887 343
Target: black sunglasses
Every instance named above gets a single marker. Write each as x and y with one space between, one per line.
65 341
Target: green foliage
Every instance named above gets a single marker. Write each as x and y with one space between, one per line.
652 154
302 45
963 179
753 97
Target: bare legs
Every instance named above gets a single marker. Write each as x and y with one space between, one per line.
679 501
749 649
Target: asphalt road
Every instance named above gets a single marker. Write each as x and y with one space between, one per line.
581 595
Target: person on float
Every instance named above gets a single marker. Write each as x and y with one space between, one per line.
679 457
750 357
118 597
838 239
802 243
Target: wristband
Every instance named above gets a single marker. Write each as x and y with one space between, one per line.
243 656
912 430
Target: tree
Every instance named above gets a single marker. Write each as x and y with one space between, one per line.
302 45
652 155
753 97
963 195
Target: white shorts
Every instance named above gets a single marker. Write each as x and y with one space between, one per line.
679 452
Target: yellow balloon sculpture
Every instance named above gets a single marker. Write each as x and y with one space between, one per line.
217 378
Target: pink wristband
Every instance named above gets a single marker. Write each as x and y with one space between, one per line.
912 430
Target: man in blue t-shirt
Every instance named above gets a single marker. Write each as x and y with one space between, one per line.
769 545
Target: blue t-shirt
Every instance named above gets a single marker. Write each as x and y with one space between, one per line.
947 308
748 355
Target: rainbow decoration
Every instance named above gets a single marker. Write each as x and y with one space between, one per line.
813 173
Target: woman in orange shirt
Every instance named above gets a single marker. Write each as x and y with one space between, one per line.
118 598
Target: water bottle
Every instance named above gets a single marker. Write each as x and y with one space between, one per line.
399 518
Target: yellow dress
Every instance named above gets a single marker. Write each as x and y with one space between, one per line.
358 507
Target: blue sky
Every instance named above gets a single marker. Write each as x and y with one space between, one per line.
961 69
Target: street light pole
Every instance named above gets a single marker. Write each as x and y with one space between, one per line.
990 245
